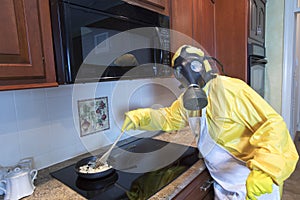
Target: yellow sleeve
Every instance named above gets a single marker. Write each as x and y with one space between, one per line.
273 150
166 119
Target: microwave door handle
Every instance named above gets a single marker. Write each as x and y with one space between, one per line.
160 45
157 52
155 67
161 55
158 36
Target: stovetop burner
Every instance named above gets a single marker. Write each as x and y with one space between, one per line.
129 185
96 184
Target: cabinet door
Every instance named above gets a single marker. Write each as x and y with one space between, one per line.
257 20
231 36
181 23
197 27
26 53
204 24
200 188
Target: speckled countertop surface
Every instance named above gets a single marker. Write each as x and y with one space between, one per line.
49 188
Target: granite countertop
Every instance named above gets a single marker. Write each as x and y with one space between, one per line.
49 188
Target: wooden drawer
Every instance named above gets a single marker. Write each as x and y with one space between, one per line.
200 188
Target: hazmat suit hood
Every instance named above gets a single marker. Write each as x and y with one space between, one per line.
193 69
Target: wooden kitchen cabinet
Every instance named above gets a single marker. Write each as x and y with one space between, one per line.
194 20
160 6
231 25
201 188
181 23
220 26
204 24
26 52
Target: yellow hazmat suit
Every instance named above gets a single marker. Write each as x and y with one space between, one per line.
240 121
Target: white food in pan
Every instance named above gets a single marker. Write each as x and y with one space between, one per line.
89 170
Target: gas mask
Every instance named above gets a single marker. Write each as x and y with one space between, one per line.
193 70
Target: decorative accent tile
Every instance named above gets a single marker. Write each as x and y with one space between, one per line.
93 115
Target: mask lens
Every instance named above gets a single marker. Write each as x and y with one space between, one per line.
196 66
178 73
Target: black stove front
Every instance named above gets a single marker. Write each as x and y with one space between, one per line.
126 184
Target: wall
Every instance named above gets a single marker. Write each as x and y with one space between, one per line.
274 50
297 75
43 123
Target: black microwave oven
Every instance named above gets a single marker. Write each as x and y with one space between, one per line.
103 40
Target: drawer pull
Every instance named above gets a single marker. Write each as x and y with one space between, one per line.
206 185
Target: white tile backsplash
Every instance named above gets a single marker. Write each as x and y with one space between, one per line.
61 91
92 142
8 113
60 108
10 149
35 141
63 133
30 94
31 109
59 154
43 123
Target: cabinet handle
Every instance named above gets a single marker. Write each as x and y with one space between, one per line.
206 185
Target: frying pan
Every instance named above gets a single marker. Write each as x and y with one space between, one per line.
96 184
97 161
96 175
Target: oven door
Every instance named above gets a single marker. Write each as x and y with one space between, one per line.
257 74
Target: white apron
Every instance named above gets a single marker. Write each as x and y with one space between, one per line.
230 174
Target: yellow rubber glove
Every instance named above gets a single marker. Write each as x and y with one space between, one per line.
165 119
145 119
258 183
128 124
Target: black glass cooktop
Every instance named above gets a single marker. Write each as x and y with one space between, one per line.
139 178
